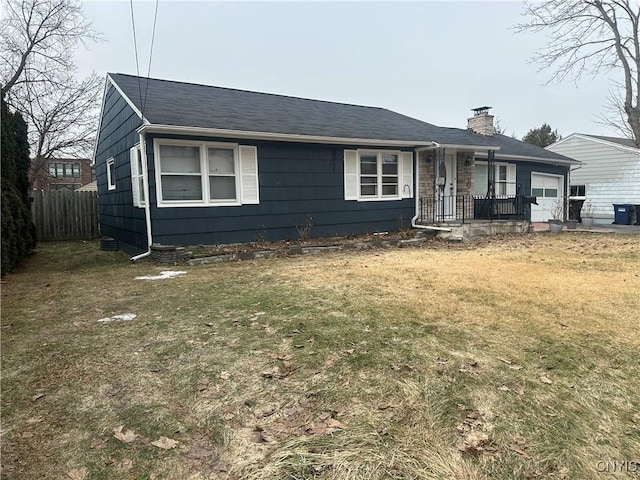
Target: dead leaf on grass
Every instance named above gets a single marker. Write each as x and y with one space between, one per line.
504 360
516 367
37 396
326 424
33 420
476 443
78 473
98 443
127 437
224 375
504 388
165 443
516 448
333 423
545 379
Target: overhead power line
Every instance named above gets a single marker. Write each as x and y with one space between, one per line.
143 102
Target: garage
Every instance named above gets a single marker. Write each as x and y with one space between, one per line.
547 189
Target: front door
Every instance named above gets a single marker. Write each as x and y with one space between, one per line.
445 192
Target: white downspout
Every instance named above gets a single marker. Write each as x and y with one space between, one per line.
414 223
147 203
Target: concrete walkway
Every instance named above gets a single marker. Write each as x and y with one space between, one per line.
612 228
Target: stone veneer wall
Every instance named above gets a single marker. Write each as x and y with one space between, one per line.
427 179
465 173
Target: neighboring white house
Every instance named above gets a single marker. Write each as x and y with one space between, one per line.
610 173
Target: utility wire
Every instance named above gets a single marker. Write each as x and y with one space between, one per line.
135 48
153 37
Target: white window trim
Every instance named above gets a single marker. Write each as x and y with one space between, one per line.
136 176
111 182
204 174
379 197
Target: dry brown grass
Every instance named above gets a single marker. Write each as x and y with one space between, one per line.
510 358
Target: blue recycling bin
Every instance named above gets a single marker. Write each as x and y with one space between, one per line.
622 213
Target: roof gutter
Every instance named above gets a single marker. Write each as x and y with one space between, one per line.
550 161
283 137
147 203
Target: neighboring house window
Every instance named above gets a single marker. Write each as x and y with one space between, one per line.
205 173
62 170
378 175
137 176
504 181
578 190
111 174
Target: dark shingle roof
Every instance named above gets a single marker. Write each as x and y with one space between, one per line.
192 105
621 141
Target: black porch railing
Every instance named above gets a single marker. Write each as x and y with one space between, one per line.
463 208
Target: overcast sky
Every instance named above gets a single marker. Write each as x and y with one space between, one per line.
430 60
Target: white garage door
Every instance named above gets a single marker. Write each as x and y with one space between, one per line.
547 189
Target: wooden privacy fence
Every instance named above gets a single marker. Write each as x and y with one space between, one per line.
65 215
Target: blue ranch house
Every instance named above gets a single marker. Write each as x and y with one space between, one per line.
185 164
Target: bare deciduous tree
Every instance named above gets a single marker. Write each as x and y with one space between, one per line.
62 120
590 37
37 70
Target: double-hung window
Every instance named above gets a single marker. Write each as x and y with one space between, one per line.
205 173
378 175
180 173
222 174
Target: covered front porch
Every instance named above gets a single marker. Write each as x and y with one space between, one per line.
454 187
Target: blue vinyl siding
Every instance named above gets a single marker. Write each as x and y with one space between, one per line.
118 217
524 170
295 180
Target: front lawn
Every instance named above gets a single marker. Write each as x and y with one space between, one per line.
511 358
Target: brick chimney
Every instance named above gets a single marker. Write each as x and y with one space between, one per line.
481 122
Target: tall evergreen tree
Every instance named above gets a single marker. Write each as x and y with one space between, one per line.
18 231
542 137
